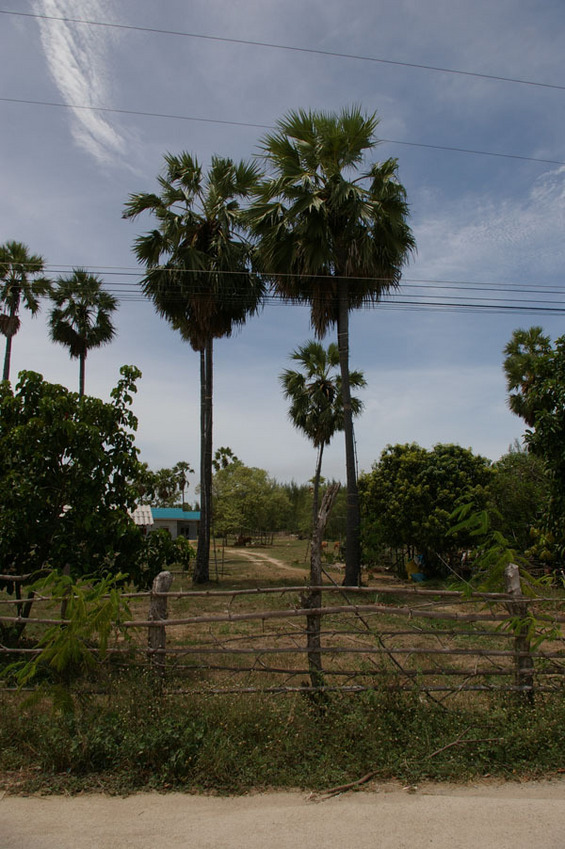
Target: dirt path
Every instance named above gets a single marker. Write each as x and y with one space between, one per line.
507 816
259 557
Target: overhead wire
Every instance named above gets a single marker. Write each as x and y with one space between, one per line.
256 125
288 47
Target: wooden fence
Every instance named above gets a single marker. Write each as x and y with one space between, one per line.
398 637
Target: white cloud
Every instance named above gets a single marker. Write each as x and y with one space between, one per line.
499 239
76 55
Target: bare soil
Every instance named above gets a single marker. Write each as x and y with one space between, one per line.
489 816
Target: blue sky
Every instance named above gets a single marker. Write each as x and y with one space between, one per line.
493 222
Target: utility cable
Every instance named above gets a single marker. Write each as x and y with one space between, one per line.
288 47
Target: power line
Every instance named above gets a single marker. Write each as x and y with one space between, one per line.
255 125
288 47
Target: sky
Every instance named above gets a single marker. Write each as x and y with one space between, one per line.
470 96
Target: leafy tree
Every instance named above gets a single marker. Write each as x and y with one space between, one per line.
537 367
316 404
164 487
248 502
334 236
518 496
161 551
67 472
199 278
81 317
20 283
410 494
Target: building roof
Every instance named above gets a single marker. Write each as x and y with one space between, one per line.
142 515
175 513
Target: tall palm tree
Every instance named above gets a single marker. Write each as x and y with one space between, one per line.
199 278
526 359
334 236
81 318
20 283
316 406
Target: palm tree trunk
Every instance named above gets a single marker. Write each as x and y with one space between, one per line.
81 371
316 495
202 567
7 358
353 521
10 332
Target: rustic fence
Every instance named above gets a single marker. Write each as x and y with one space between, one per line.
398 637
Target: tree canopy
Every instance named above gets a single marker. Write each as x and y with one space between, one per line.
67 471
248 502
537 368
81 316
410 494
21 283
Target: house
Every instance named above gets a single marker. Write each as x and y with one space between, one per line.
178 522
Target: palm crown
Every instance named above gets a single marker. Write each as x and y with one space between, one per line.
198 262
20 282
81 316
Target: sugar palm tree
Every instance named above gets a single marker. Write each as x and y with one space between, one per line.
199 277
526 358
21 283
81 317
316 405
334 236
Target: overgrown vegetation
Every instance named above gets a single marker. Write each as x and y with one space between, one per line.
129 741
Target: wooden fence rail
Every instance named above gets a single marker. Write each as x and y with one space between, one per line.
502 641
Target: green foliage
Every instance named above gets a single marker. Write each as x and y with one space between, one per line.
91 613
519 496
248 501
240 743
67 472
410 495
81 316
161 551
164 487
21 283
492 552
539 370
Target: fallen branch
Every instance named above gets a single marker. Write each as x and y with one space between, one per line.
342 788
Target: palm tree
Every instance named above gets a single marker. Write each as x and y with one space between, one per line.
316 406
526 360
81 317
199 278
20 282
333 236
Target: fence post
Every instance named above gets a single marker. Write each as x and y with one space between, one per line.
156 634
518 609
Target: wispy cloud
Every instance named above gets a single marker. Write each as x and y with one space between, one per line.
513 239
77 58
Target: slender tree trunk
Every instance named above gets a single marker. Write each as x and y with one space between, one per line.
353 522
81 371
202 567
313 601
10 331
316 495
7 358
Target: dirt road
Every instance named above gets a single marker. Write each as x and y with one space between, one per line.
507 816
